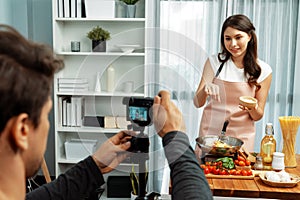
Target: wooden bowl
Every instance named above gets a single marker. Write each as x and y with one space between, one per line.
294 180
247 101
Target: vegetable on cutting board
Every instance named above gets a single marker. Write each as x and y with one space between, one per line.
227 162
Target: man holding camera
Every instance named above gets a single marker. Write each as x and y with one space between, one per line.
188 180
24 110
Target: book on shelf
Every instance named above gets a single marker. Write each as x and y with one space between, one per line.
67 8
73 5
79 9
71 110
60 8
70 8
73 85
73 89
72 80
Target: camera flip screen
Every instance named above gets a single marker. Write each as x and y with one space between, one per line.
138 113
138 110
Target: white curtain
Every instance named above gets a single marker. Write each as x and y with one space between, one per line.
190 31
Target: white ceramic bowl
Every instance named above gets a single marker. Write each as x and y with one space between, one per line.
128 48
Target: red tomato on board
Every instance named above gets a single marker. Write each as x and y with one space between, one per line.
216 171
242 163
249 173
236 162
238 172
206 170
244 172
223 172
247 162
232 172
240 158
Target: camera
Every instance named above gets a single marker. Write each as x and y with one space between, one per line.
138 110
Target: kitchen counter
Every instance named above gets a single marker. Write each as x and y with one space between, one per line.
254 188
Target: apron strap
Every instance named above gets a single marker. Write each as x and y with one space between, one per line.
219 70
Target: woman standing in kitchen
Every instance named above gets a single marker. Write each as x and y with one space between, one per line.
236 71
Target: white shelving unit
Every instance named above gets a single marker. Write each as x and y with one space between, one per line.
86 64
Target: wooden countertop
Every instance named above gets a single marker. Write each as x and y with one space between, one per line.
254 188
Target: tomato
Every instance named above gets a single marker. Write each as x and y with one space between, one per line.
242 163
232 172
240 158
249 173
207 163
244 172
238 172
202 166
236 162
206 170
211 168
216 171
247 162
220 163
223 172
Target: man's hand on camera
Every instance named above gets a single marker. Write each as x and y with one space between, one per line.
113 151
166 116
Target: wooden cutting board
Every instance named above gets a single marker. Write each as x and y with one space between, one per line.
254 173
229 176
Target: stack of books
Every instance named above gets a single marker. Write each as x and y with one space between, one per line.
73 85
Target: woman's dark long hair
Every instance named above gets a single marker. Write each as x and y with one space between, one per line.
252 69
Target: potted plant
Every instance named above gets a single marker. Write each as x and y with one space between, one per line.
135 182
99 36
131 7
130 2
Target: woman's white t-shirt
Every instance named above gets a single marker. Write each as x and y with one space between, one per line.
232 73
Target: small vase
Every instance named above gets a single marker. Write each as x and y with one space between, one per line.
98 46
131 9
98 83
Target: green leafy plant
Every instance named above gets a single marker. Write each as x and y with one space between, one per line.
98 34
135 181
130 2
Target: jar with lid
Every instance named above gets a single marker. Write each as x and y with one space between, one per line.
278 161
258 163
268 147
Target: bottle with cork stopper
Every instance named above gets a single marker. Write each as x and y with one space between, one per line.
268 147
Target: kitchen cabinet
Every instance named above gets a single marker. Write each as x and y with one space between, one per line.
85 65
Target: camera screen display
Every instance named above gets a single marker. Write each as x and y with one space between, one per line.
138 113
138 110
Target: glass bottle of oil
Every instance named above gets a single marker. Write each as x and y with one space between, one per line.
268 147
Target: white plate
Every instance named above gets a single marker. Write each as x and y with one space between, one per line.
127 48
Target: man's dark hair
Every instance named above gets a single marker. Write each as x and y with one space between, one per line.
26 75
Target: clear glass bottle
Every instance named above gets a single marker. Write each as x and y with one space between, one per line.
259 163
268 147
